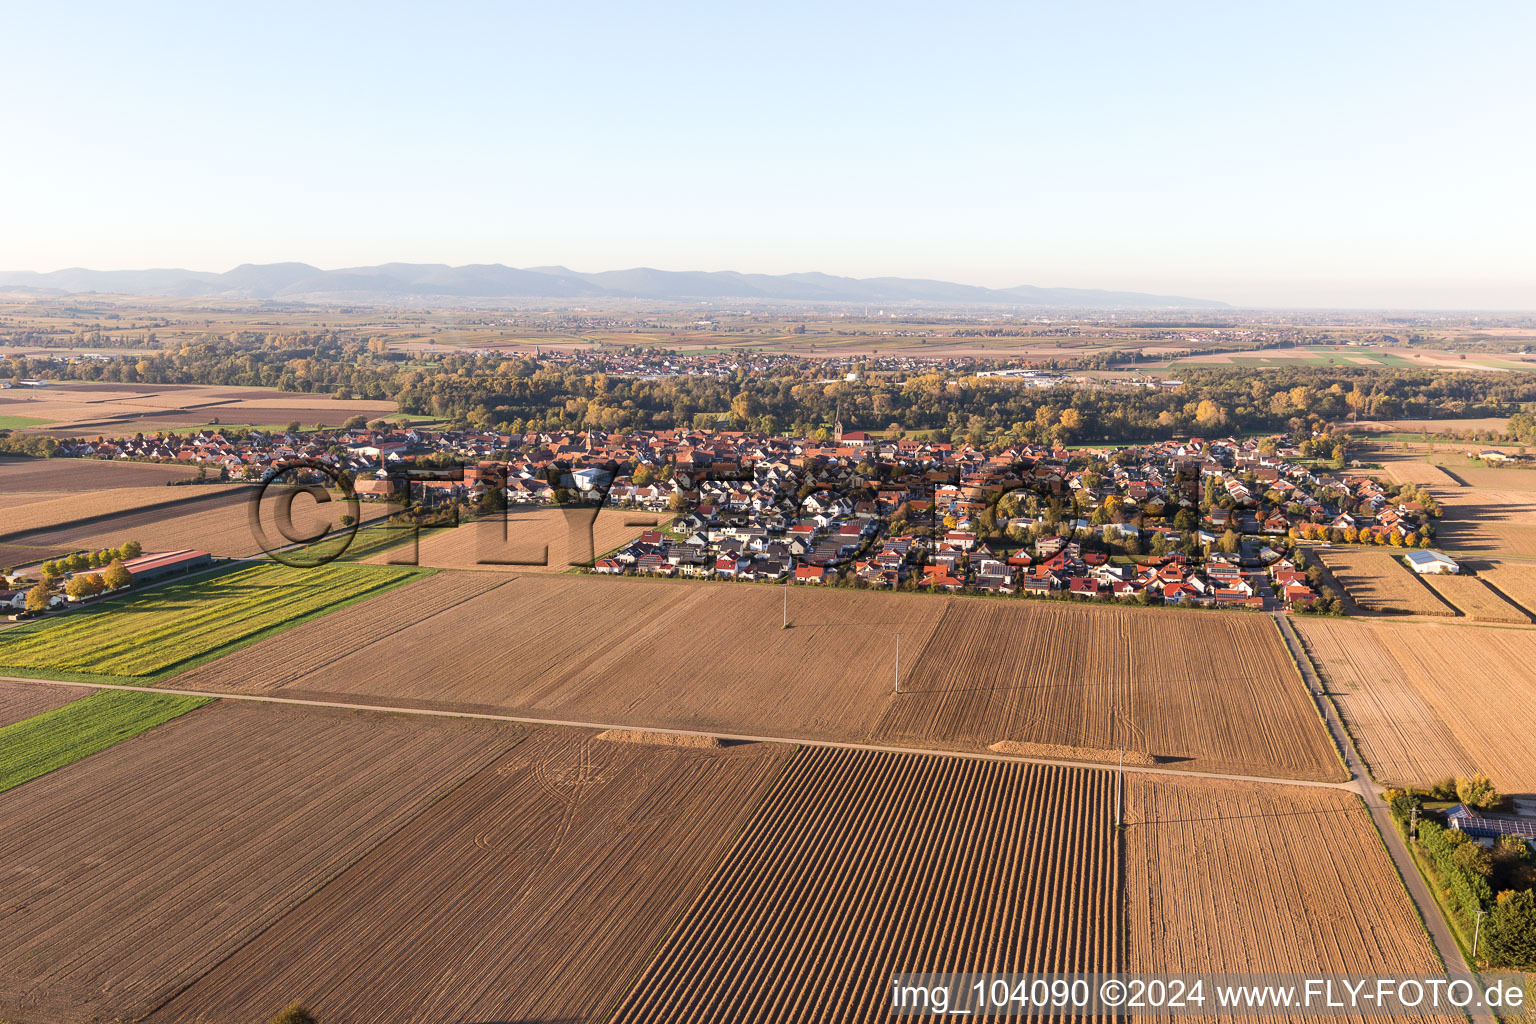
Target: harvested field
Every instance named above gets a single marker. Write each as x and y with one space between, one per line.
423 605
142 634
542 540
71 408
1207 689
1248 878
19 701
14 556
1473 598
23 474
1428 700
149 868
859 865
535 891
1485 522
1515 580
1409 470
655 653
1401 738
1473 473
43 522
222 526
1378 582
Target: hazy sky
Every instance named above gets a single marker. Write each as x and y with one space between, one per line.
1338 154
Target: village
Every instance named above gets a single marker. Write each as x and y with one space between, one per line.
1201 521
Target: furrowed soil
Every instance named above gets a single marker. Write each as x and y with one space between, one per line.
1247 878
862 864
535 891
23 474
47 522
1426 700
1212 689
19 701
1207 691
130 874
545 540
1473 598
1378 582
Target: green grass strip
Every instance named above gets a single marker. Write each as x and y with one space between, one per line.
40 744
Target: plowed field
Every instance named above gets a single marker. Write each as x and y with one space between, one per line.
1212 690
859 865
542 540
1426 700
535 891
21 474
1245 878
131 873
23 700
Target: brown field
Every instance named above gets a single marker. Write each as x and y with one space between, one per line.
628 653
1209 687
1378 582
221 525
31 522
1515 580
1408 469
1485 522
130 874
19 474
23 700
1475 600
525 539
1249 878
1491 478
1427 700
535 891
1496 424
84 408
861 864
375 624
13 556
1210 691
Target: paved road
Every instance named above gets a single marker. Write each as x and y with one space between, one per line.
1360 782
978 755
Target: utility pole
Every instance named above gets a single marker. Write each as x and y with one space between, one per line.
1477 933
786 604
1119 783
898 662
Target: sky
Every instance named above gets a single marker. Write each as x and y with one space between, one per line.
1297 155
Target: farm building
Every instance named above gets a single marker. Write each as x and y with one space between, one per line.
157 566
1491 826
1423 562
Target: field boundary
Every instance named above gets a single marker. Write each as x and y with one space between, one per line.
977 755
195 501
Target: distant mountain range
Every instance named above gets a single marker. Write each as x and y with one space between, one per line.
400 281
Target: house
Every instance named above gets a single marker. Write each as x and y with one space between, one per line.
1491 826
1428 562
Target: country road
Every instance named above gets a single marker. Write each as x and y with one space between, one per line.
1360 782
976 755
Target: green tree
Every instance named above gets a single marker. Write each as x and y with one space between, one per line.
1511 930
293 1013
355 423
116 577
1477 791
38 596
